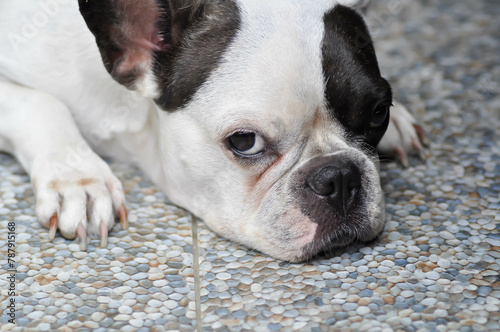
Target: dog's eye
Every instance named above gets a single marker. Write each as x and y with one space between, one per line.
247 143
380 114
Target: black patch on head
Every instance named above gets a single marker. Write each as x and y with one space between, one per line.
354 87
204 31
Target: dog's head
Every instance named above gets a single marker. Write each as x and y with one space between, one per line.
269 113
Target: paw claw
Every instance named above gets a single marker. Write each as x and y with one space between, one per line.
417 146
422 155
403 156
103 230
81 234
418 149
421 134
405 162
53 226
122 212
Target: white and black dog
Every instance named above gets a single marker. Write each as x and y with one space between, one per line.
260 117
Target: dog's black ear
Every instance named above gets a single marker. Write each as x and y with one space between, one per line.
129 32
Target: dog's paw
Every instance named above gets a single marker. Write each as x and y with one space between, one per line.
80 200
403 136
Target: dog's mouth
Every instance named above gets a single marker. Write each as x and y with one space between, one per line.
332 244
296 238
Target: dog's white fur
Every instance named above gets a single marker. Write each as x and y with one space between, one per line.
58 105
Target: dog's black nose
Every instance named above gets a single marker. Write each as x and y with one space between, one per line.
339 182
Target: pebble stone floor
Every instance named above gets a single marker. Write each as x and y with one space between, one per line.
435 268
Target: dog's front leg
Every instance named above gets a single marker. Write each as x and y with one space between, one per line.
75 190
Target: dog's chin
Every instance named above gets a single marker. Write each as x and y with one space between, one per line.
296 239
312 244
334 244
329 240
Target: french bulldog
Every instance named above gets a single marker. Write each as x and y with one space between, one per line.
260 117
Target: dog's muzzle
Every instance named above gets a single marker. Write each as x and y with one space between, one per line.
337 183
337 193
